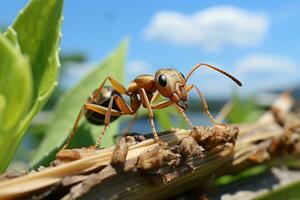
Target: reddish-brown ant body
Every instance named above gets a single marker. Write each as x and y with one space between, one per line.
107 103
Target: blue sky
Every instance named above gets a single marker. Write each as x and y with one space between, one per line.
256 41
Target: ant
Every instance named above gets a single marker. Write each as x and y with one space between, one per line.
107 103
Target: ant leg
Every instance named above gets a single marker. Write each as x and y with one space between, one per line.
188 88
150 113
96 108
167 103
75 126
96 94
162 104
205 108
106 122
115 84
102 110
124 107
155 97
185 117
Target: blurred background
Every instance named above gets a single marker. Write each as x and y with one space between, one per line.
258 42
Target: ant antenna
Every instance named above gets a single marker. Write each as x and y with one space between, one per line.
214 68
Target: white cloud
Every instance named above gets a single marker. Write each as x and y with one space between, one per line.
211 28
267 72
257 72
138 67
264 63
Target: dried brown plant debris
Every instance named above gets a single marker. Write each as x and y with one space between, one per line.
11 174
188 147
214 137
68 155
82 169
119 154
92 180
157 157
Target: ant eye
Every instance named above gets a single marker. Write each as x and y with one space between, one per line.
182 75
162 79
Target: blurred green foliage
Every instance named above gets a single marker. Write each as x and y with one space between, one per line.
66 60
289 192
2 28
69 105
250 172
243 111
71 57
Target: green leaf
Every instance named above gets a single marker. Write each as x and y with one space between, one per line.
2 106
163 118
11 34
37 31
38 27
249 172
15 96
289 192
69 105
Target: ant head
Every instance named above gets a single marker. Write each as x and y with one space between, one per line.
171 84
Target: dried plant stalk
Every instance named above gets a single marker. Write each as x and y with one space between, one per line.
192 158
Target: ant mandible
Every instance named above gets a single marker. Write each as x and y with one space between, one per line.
107 103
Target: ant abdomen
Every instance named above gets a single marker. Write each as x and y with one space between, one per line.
102 100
